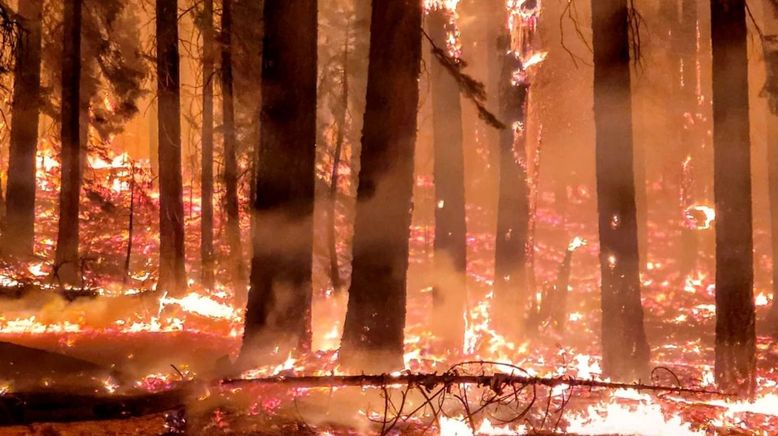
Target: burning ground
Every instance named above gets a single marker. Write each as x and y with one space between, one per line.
141 342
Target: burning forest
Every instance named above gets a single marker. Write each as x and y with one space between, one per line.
454 217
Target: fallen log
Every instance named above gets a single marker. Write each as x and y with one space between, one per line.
57 407
429 381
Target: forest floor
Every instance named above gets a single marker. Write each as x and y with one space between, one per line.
158 343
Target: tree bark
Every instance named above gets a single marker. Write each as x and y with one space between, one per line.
231 170
450 255
172 273
511 294
19 232
625 349
66 258
735 319
770 91
375 318
206 181
279 303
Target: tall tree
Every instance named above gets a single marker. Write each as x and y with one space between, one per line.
735 318
206 229
770 91
510 268
232 208
625 348
19 233
449 171
375 317
66 258
279 302
172 274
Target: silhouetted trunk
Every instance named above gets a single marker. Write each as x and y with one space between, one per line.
279 303
770 91
206 224
510 264
19 232
67 262
685 43
735 319
449 171
375 318
172 275
625 349
230 149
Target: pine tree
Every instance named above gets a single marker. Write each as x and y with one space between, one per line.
206 224
625 348
375 317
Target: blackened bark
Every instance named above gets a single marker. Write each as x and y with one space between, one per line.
770 91
19 232
232 208
67 262
625 349
172 274
511 294
206 181
279 302
735 319
449 171
375 318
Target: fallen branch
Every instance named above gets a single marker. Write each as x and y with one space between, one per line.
495 382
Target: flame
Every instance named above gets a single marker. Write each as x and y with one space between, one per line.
700 216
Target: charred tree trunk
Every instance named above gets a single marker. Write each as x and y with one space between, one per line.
510 264
449 171
172 274
625 349
735 319
375 318
279 303
230 149
67 262
206 229
19 232
770 91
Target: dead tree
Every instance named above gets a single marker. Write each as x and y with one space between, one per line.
770 91
232 207
206 181
19 233
511 293
449 171
375 318
66 258
172 274
735 318
625 349
279 302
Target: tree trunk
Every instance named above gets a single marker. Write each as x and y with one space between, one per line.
735 319
19 232
230 149
67 262
625 349
450 261
279 303
770 91
375 315
172 274
511 294
206 224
